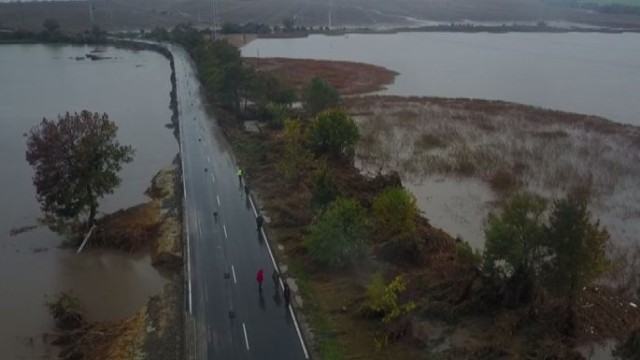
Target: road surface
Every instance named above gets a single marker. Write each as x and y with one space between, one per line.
233 319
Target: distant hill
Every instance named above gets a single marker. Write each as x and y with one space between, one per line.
147 14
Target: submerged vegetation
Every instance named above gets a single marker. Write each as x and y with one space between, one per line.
508 147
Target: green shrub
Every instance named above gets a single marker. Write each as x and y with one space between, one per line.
340 234
467 255
318 96
395 212
323 189
275 114
383 300
333 133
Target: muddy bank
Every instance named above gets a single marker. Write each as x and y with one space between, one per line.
348 78
155 224
155 331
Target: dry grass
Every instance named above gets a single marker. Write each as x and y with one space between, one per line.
121 340
347 77
131 229
155 223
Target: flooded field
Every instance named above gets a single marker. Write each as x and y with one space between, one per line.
43 81
461 157
459 162
595 74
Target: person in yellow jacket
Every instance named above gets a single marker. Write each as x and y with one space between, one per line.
240 173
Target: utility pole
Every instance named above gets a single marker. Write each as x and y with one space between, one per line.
214 23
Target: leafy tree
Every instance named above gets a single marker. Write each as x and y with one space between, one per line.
160 34
275 115
318 96
287 24
340 234
577 252
323 189
514 250
333 133
383 300
76 160
224 74
467 255
296 157
97 35
231 28
516 236
395 212
51 25
185 35
578 246
265 89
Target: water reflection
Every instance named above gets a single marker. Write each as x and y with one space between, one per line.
45 81
586 73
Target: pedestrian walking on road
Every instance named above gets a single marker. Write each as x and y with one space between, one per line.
259 279
287 295
259 221
240 173
275 277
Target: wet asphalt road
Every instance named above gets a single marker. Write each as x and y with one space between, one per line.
233 320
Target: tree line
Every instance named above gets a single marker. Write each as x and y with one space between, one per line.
53 32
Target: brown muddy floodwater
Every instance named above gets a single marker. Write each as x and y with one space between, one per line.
42 81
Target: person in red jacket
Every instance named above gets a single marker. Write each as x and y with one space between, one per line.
259 279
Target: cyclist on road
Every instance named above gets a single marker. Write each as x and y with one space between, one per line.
259 221
275 277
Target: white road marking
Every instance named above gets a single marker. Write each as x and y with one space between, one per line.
253 206
233 271
208 158
218 198
225 230
295 322
213 178
246 339
293 315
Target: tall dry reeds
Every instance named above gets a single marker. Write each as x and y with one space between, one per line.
508 146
